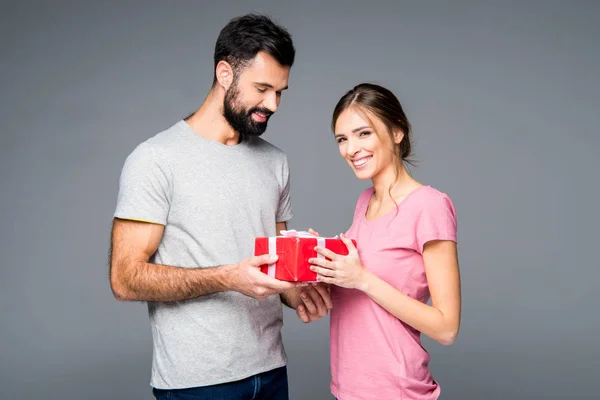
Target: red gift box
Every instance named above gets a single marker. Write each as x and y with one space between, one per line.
294 251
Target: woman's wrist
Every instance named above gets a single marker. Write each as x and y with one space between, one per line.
366 281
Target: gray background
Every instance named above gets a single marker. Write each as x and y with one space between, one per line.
504 100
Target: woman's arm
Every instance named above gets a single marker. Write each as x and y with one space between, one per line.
440 321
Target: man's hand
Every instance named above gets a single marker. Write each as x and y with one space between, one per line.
314 302
249 280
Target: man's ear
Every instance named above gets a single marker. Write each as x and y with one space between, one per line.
224 74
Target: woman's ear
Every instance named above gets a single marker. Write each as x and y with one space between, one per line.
224 74
398 136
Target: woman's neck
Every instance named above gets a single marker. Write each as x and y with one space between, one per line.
402 183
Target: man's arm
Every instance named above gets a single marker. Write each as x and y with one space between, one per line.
133 278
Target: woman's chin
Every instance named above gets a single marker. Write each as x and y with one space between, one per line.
362 175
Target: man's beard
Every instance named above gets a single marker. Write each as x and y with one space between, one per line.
240 118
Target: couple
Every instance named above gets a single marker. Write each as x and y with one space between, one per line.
193 198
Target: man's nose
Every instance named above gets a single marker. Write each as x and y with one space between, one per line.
271 102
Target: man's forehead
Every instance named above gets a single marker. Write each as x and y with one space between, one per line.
265 69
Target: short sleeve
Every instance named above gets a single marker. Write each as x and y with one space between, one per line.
284 210
144 189
437 221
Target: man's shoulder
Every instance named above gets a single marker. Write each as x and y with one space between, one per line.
161 144
263 146
156 149
167 138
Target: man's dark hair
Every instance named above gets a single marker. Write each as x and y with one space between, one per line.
243 37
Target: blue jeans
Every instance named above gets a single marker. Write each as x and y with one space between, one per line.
270 385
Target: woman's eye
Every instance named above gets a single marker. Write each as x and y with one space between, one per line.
364 133
340 140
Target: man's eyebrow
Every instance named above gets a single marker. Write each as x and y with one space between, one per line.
268 85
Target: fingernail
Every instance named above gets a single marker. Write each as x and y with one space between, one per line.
303 295
273 258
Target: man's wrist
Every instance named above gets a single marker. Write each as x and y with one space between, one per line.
291 297
217 279
228 277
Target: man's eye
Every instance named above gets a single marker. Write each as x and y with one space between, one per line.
261 90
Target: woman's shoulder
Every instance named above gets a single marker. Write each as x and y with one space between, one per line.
430 193
431 198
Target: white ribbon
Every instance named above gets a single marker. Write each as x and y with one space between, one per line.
320 243
272 252
302 234
295 233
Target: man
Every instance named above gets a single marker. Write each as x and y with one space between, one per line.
191 201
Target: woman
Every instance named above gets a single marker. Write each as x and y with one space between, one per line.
406 239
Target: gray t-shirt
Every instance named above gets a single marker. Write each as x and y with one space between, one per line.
213 200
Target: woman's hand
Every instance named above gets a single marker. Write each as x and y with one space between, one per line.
345 271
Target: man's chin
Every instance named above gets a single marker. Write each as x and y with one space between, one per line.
258 130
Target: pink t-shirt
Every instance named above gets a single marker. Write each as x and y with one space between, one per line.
374 355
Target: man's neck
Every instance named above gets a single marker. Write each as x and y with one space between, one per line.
208 121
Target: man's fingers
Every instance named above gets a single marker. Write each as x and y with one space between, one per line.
258 261
272 285
325 295
301 312
313 232
278 285
321 307
308 301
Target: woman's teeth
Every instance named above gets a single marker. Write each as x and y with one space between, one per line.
362 161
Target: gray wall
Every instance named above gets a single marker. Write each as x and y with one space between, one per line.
504 100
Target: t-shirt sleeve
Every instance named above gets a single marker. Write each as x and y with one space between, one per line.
437 221
144 187
284 211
